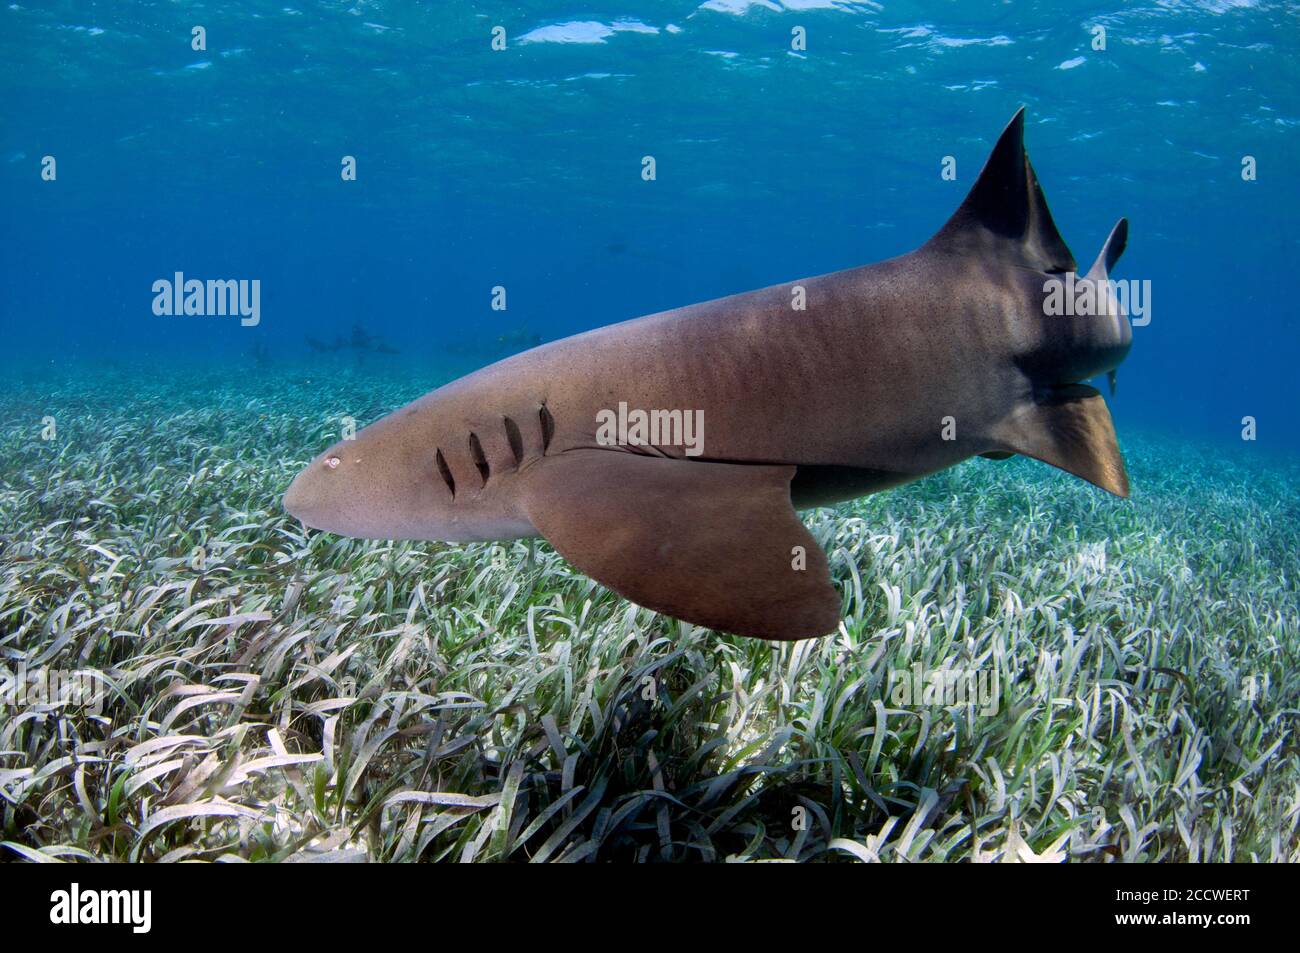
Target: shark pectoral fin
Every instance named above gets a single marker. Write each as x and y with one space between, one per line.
1069 427
714 544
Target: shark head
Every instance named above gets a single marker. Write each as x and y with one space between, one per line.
364 486
392 480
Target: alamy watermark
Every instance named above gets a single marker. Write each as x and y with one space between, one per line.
216 296
917 687
77 905
651 428
1087 297
52 687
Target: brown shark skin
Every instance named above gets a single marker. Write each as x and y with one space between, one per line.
853 391
852 381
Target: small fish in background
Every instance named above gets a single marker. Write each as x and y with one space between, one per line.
519 339
503 344
361 339
260 355
360 342
621 248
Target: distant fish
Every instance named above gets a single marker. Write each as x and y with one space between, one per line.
359 341
620 247
519 339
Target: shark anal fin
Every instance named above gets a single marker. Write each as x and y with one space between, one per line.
715 544
1070 428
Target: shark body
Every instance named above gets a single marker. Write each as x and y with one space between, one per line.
890 372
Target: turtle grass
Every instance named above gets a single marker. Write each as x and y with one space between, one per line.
274 694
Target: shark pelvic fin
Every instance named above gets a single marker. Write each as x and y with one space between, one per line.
1069 427
1005 214
715 544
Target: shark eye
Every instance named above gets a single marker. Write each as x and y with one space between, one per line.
332 462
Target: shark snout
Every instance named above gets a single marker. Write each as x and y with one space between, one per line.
297 499
366 488
300 499
320 491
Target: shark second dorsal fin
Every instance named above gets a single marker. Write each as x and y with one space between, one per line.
1005 214
1110 252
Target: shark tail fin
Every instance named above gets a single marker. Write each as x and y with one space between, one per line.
1005 214
1070 428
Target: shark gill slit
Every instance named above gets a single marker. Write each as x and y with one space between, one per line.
516 440
480 460
445 472
548 427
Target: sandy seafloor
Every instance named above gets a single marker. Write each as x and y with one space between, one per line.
289 694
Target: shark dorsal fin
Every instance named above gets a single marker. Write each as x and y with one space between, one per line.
1005 214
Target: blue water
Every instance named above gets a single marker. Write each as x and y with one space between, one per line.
522 168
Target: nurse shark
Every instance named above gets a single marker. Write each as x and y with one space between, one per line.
889 372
